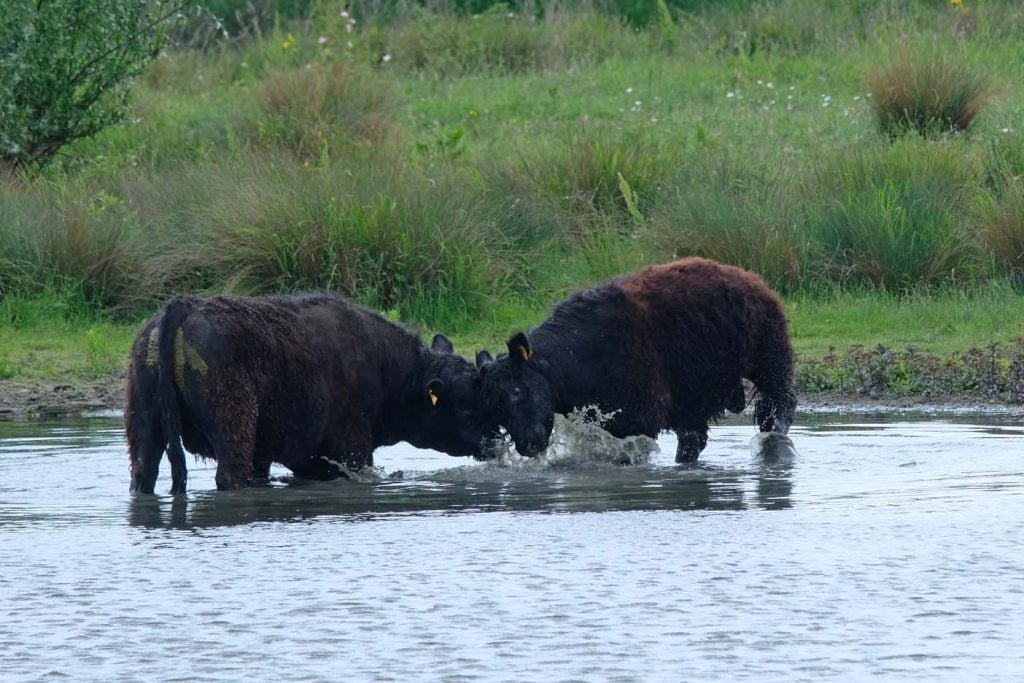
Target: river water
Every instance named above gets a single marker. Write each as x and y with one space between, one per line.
890 546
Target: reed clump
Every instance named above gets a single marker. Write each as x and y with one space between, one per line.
930 92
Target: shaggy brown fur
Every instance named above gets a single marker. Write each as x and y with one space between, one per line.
667 347
313 382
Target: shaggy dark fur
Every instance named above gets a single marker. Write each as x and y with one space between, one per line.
667 347
311 382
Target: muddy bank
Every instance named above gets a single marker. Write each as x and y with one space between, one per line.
858 380
20 399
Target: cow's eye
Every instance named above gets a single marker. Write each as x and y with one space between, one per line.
515 392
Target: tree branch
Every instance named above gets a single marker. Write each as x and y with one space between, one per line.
82 72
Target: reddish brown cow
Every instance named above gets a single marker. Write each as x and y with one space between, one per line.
667 347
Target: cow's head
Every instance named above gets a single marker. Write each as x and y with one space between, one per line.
516 393
452 419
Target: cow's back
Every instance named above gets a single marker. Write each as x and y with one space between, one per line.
303 365
709 324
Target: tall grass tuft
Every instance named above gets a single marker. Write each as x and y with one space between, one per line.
1001 229
387 236
70 239
319 110
893 216
734 212
929 92
494 42
599 169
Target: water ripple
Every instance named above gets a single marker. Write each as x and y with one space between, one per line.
884 548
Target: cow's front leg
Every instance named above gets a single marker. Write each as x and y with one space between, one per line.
691 441
339 454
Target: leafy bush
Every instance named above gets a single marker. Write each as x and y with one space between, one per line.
66 69
932 92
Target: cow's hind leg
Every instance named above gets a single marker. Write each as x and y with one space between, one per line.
143 429
146 442
232 432
179 470
234 462
776 401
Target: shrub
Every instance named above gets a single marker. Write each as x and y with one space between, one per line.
71 240
66 69
928 93
790 27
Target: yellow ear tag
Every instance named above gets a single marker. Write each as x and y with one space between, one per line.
525 353
433 397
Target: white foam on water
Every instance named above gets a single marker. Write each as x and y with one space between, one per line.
366 475
579 439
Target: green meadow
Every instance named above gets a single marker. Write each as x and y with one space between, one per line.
464 171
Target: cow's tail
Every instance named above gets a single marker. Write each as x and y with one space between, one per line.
174 314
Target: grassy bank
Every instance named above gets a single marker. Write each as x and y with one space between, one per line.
939 347
463 172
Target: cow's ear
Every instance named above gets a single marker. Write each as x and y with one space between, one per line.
435 388
441 344
483 357
519 347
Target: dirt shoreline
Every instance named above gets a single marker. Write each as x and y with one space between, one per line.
20 399
43 399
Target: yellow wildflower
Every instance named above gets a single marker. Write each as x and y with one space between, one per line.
289 41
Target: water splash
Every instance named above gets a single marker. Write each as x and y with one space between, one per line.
579 438
773 448
366 475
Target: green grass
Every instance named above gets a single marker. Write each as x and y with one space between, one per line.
45 346
55 350
939 323
466 173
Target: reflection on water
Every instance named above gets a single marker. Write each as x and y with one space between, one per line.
874 546
565 481
593 491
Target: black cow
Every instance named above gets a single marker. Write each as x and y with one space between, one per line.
666 348
314 382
